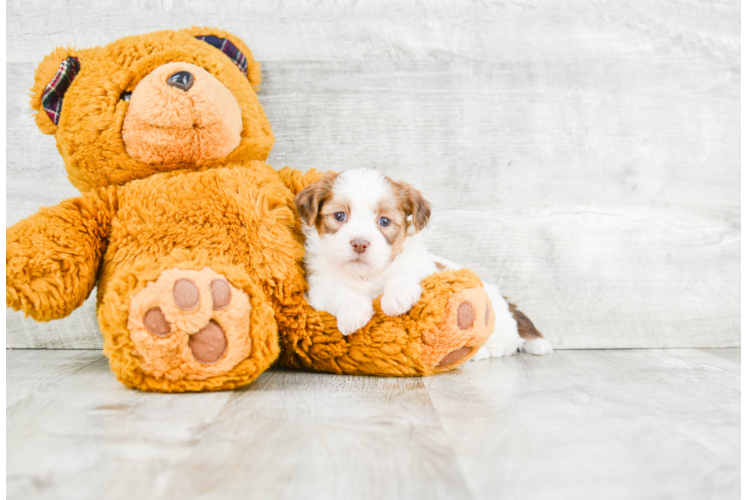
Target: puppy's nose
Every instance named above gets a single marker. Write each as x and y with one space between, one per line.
182 80
359 246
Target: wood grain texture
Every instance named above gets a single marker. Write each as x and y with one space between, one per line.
295 435
80 330
585 157
576 424
85 435
615 424
30 371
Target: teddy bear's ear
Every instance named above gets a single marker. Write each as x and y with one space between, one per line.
233 48
52 79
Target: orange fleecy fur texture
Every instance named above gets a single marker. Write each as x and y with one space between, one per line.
174 187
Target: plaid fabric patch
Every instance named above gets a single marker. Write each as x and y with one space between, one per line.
55 90
228 48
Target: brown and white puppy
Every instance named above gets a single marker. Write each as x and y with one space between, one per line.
363 240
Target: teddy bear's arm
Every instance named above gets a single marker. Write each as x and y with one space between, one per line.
52 257
296 181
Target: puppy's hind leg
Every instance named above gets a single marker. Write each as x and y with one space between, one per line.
506 339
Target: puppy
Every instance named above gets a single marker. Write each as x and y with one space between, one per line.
363 239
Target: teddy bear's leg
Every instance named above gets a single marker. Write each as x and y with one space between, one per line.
466 324
446 327
187 323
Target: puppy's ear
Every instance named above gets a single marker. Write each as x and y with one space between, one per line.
415 204
310 199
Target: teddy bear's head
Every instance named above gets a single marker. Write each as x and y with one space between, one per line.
170 100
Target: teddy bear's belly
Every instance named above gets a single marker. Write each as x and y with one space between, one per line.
243 213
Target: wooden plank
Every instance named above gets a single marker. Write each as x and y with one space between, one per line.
607 277
440 30
85 435
576 424
289 435
596 424
731 354
478 134
31 370
80 330
299 435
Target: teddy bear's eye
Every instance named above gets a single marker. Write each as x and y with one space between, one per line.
125 96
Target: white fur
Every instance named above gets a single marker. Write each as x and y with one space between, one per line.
538 347
343 282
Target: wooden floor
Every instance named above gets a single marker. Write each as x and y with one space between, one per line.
577 424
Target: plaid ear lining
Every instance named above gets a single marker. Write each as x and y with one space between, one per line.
55 90
228 48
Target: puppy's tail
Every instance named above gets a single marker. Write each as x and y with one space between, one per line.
534 341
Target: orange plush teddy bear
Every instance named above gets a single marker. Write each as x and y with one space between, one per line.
195 242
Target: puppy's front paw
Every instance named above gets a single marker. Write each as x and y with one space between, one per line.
399 300
354 314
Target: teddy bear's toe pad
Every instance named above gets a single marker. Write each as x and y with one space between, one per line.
209 344
190 324
467 324
454 356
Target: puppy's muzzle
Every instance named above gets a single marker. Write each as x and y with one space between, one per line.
359 246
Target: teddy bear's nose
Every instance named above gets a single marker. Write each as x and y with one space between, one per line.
181 80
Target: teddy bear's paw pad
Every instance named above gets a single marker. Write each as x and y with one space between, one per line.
468 322
190 325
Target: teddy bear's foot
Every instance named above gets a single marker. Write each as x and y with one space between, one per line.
187 323
466 325
190 324
444 329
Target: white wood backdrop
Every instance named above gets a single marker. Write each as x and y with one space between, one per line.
583 155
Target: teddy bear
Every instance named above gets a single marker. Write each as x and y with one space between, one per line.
192 240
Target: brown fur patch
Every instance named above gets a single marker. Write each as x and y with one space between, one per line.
412 202
396 233
325 222
309 201
440 266
525 327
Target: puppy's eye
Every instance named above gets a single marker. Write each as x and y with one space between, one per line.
339 216
384 221
125 96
